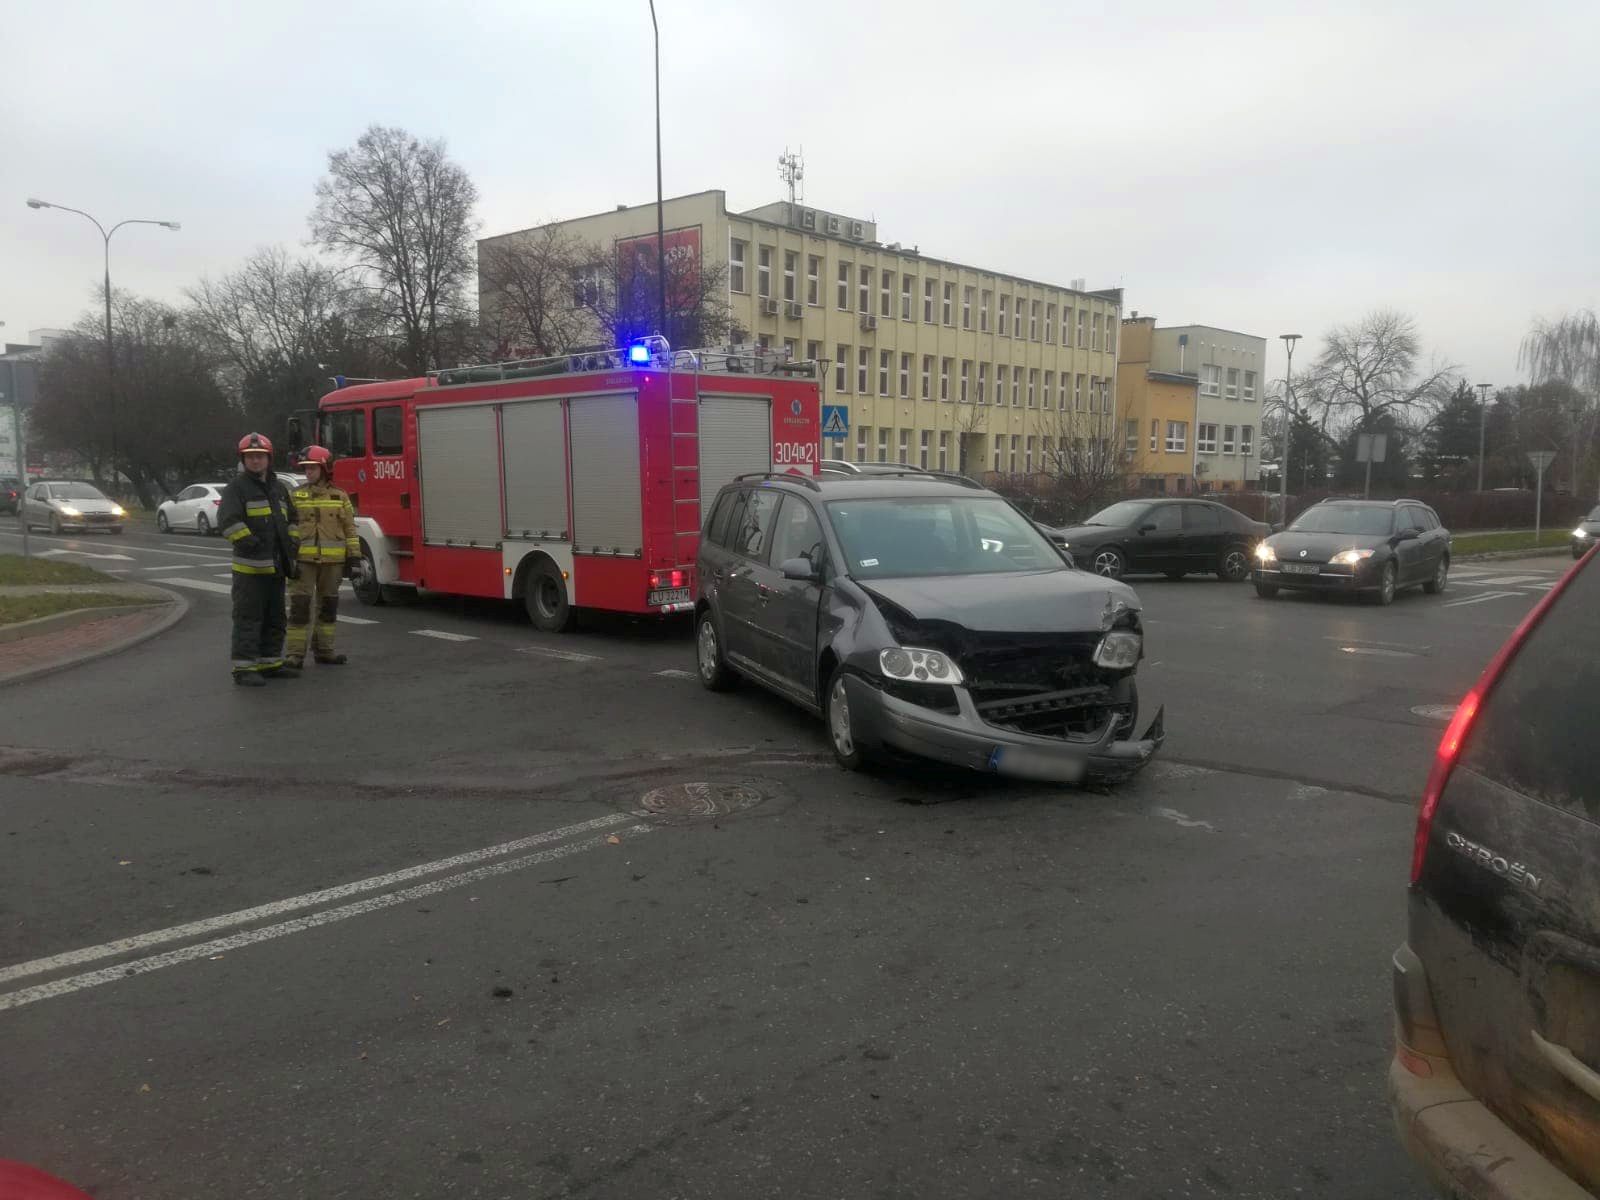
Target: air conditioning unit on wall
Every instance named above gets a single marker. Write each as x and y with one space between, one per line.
869 323
792 310
769 308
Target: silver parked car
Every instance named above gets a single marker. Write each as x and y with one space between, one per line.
194 508
61 505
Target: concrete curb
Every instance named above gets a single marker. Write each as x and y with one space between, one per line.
66 620
177 609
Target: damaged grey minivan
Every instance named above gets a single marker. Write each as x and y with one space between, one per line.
922 614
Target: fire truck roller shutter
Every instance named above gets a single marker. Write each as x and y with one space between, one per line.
536 469
606 482
460 486
735 439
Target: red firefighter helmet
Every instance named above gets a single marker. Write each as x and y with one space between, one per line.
319 456
255 443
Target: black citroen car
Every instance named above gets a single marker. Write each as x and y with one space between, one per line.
1168 537
1368 547
925 615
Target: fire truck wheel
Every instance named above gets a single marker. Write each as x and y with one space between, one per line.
714 671
364 582
545 594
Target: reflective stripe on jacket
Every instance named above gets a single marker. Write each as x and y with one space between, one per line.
327 526
258 517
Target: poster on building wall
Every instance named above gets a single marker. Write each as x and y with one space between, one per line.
637 269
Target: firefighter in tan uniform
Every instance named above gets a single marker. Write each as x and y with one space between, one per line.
329 548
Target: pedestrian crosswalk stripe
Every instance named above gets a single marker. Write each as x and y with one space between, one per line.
443 636
202 585
356 620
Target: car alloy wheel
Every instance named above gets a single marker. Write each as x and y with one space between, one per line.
1235 564
202 525
1108 562
162 523
1386 584
844 746
1440 580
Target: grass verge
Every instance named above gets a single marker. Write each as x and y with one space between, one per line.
27 608
14 569
1478 543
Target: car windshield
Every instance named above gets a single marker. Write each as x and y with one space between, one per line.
75 491
1346 518
1125 512
937 535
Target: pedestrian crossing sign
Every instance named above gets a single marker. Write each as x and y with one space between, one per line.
835 420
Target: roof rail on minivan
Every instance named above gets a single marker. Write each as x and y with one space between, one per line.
788 476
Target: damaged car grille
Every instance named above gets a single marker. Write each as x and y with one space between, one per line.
1046 686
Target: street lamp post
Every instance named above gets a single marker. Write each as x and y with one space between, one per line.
1483 421
1289 339
13 395
111 358
661 220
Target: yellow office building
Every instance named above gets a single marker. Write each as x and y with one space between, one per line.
928 362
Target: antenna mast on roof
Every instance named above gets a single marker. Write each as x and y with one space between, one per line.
792 170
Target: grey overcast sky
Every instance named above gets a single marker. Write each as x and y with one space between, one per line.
1265 167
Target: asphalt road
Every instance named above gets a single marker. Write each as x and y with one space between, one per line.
381 941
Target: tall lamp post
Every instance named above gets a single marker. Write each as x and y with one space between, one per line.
13 396
1289 339
661 220
111 358
1483 421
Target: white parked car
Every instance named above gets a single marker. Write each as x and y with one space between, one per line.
193 510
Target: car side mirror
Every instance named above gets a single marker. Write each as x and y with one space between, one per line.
1148 527
1277 527
800 568
1406 535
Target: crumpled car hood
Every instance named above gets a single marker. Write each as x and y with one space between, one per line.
1056 601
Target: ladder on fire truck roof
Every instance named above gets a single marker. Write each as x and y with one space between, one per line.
735 360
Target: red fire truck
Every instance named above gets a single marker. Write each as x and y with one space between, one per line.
569 482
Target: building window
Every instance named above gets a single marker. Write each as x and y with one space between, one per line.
764 272
1077 393
791 349
1111 334
1049 387
966 308
1047 452
1210 379
735 266
905 376
949 304
1094 393
1027 459
984 300
861 443
944 378
927 302
906 282
1247 436
927 377
1155 433
1249 385
586 287
983 381
1066 325
844 287
1230 390
1033 322
1005 315
791 263
763 342
1083 324
1094 343
905 447
883 372
1016 387
922 450
1014 440
1177 436
998 441
1049 323
841 370
1033 384
864 371
813 280
1016 328
1205 438
864 290
883 445
966 377
886 294
944 450
813 351
1130 441
1227 439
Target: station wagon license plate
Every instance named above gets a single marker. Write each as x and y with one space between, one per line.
1301 568
1024 762
668 596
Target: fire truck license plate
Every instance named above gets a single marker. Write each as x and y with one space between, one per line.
669 596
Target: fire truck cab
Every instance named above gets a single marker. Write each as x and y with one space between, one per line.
569 482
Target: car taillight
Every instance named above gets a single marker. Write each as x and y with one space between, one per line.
675 578
217 503
1455 734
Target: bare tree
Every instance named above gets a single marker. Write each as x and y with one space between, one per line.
1567 351
397 209
532 292
1084 458
1368 370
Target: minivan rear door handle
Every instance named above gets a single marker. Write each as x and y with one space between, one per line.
1576 1072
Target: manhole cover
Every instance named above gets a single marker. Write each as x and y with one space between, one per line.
1435 712
700 800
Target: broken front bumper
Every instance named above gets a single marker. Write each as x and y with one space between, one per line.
964 739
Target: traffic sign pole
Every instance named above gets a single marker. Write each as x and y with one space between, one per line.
21 453
1540 460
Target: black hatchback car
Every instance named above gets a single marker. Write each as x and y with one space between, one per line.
924 615
1368 547
1169 537
1495 1080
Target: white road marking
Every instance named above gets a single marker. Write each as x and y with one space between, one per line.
355 620
223 557
1169 814
1378 651
443 636
1501 581
174 567
1348 641
1480 599
244 916
674 673
143 966
1545 587
85 554
203 585
562 655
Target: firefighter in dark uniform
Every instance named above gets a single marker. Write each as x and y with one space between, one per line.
329 549
257 516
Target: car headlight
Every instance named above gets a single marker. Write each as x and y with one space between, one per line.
1265 553
1118 650
913 665
68 511
1580 532
1349 558
118 511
